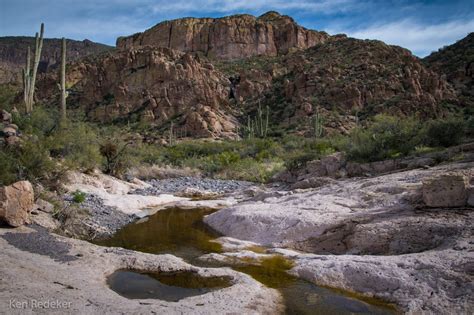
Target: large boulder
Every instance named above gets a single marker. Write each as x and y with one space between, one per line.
449 190
16 202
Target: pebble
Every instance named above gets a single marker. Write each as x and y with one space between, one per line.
176 185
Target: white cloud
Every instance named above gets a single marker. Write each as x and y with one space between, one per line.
421 39
225 6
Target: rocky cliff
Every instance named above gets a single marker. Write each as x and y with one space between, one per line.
341 78
232 37
13 54
456 62
157 86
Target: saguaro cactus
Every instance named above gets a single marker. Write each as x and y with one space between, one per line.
317 125
259 126
29 75
62 86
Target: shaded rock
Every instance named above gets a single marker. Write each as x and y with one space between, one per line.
5 117
312 182
16 202
445 191
13 54
470 198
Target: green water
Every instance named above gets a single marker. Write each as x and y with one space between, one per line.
182 232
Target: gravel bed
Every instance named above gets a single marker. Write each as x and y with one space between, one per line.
177 185
105 219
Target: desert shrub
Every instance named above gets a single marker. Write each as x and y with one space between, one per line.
29 161
78 144
444 132
41 122
117 153
250 169
7 96
386 137
8 172
470 126
78 196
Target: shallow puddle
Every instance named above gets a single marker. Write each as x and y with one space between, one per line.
182 232
170 287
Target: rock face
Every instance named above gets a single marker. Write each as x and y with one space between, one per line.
16 202
456 62
232 37
13 54
446 191
340 79
154 85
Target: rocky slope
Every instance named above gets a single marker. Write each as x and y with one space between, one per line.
13 54
232 37
340 78
457 63
154 85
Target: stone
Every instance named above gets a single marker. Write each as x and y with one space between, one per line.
448 191
16 202
156 84
5 117
44 206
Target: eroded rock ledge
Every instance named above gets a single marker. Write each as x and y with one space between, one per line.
58 268
373 236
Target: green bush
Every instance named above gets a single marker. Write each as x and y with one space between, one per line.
444 132
78 144
78 196
386 137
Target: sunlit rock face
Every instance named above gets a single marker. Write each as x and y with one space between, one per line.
232 37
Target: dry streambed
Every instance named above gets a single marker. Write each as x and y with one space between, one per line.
372 237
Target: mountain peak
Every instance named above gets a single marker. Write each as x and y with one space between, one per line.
232 37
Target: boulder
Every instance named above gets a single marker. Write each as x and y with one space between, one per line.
5 117
16 202
470 196
449 190
44 206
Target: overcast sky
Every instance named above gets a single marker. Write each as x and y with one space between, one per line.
421 26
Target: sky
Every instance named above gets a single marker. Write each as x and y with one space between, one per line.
421 26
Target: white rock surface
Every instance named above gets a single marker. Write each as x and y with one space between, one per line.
425 257
115 192
433 282
74 271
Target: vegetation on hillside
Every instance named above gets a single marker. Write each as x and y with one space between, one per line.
48 151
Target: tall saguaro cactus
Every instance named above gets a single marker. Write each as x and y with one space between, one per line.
29 75
62 86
